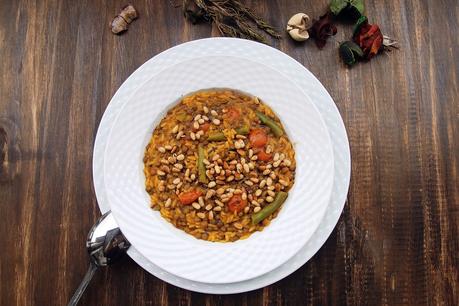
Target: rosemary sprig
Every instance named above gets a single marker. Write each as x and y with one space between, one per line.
231 17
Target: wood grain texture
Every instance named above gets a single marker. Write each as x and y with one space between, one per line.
397 239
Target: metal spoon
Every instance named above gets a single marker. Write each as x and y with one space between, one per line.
105 245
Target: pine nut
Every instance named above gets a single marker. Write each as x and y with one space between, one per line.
210 193
269 181
168 147
211 184
208 207
196 205
179 134
159 172
176 181
276 157
168 202
213 113
282 182
217 208
256 209
211 215
165 169
201 201
216 121
262 183
201 215
269 199
206 110
258 192
271 193
162 149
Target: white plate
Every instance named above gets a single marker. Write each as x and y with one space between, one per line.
299 75
180 253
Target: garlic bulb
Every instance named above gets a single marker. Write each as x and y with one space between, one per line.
298 25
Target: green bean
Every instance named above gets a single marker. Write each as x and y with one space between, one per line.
201 167
243 130
219 136
275 128
270 208
216 136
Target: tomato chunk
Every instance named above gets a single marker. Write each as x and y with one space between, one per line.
236 203
258 138
232 114
263 156
205 127
188 197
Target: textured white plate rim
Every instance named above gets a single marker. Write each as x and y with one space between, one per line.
287 253
299 74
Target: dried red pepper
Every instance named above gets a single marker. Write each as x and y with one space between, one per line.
369 38
322 29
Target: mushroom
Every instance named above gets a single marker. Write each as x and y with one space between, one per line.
298 25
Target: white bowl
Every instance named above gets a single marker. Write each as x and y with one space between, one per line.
174 250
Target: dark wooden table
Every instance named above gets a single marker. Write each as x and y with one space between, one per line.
397 239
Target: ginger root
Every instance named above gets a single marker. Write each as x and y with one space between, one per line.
120 23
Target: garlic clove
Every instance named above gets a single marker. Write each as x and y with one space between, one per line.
298 25
299 35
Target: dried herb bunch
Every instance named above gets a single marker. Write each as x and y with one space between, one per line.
231 17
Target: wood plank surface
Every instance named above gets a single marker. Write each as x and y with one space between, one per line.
397 239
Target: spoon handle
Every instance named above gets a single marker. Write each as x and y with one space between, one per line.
84 283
